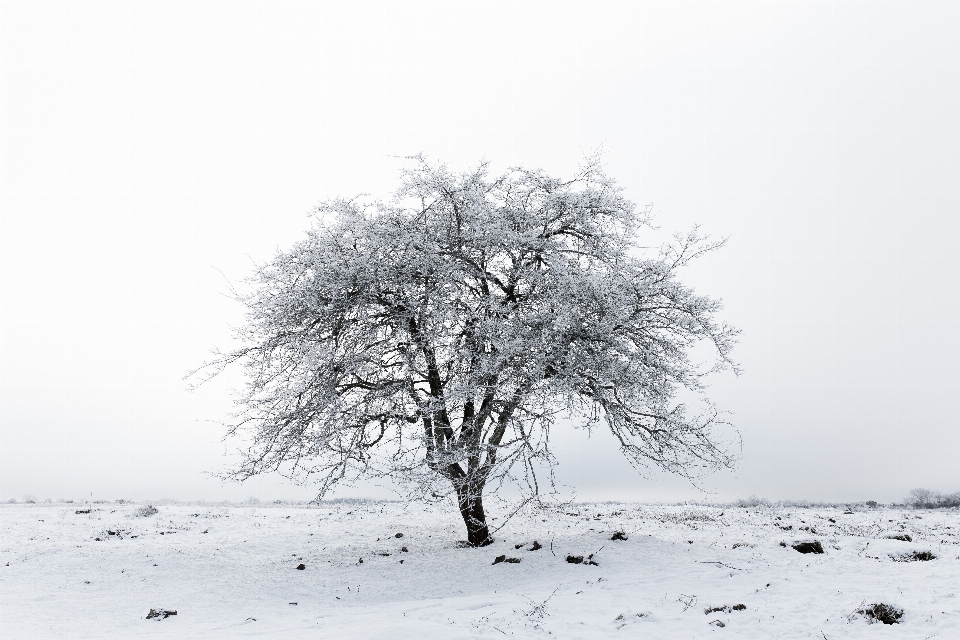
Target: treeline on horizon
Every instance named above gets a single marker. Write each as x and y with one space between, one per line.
917 499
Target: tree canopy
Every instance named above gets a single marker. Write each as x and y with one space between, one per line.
436 337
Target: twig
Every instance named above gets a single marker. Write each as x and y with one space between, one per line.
717 562
540 610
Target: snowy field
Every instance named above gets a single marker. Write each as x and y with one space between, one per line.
231 572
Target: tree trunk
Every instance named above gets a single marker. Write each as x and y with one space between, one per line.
471 508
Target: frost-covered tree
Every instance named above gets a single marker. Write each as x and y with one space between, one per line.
436 338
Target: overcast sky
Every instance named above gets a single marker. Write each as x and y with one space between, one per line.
152 152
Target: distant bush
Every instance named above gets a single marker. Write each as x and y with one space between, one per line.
927 499
146 512
752 501
30 499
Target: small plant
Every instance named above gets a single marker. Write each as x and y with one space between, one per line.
725 609
902 537
916 556
539 609
146 511
880 612
619 535
160 614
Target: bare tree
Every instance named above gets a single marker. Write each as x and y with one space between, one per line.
435 338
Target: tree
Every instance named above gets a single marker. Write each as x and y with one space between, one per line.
435 338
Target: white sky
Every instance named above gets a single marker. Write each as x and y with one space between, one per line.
148 147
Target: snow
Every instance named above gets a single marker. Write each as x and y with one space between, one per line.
230 572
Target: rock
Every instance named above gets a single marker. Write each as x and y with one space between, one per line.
808 547
301 567
504 558
618 535
536 546
399 535
575 559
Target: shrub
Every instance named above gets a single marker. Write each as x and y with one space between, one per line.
916 556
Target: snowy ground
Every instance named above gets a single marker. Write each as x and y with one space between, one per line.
231 572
